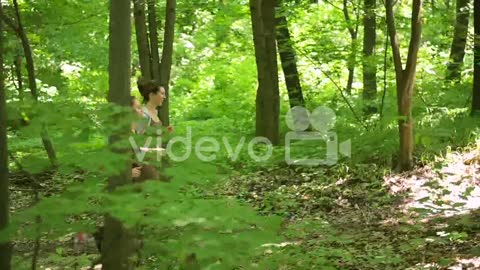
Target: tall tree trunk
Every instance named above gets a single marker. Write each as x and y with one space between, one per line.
268 100
19 30
142 38
153 32
459 41
117 245
289 61
353 47
369 62
17 62
351 66
476 60
221 35
28 53
405 79
167 56
5 247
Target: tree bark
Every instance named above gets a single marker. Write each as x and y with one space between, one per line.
20 32
353 47
369 62
351 67
267 100
5 247
153 32
17 62
405 79
457 51
167 56
118 242
289 61
142 38
28 52
476 60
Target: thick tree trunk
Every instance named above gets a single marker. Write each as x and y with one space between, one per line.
5 247
118 242
142 38
32 84
459 41
268 100
476 61
153 32
117 245
405 79
369 62
289 61
167 56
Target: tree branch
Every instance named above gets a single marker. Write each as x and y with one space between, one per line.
384 78
352 31
333 5
9 22
340 89
392 31
414 41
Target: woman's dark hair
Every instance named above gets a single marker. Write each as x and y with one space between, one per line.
147 87
132 99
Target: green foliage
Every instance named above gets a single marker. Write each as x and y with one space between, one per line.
332 213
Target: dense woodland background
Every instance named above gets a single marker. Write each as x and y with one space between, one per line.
401 77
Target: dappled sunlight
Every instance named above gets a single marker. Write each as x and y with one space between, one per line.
239 135
460 264
451 189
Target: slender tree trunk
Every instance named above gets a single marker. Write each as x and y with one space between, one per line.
268 100
369 62
19 30
118 242
17 62
476 60
5 247
153 32
351 66
353 47
405 79
289 61
167 56
28 53
459 41
142 38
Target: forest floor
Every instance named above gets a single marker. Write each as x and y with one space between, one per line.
364 218
341 217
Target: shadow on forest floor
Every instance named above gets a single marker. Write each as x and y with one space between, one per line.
364 217
358 217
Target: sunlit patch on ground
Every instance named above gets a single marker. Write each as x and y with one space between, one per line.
448 190
461 264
